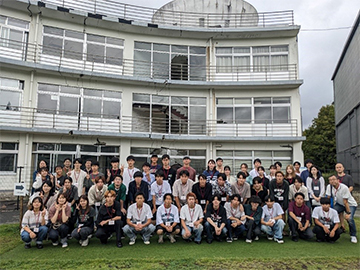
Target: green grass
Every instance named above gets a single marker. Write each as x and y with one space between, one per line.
181 255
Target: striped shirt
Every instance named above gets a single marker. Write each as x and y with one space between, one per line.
32 220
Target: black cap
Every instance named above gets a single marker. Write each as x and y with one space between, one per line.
131 157
186 157
219 158
147 164
154 155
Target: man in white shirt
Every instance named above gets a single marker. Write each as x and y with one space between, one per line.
235 218
128 173
254 171
181 188
271 220
158 189
191 216
139 220
344 202
96 193
326 222
78 176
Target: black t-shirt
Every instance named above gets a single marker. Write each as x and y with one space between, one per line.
170 175
144 188
261 194
202 194
85 218
110 212
113 174
265 182
217 216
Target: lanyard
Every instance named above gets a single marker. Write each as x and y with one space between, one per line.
336 190
191 215
38 218
76 177
131 174
166 173
139 212
326 217
271 213
113 174
341 178
231 210
83 217
202 192
167 214
112 211
212 175
241 188
222 189
183 189
160 189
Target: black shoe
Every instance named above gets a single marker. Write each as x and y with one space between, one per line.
39 246
27 246
119 244
197 242
218 239
319 240
209 241
188 240
295 239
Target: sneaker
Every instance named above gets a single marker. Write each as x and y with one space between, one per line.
69 236
89 236
256 238
161 239
146 242
85 242
279 241
132 241
172 238
110 236
80 242
55 243
270 237
353 239
235 238
39 246
64 244
229 240
248 241
27 246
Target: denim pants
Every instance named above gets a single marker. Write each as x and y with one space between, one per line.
145 232
276 230
40 236
210 231
340 208
197 231
237 231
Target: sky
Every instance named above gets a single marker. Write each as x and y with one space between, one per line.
319 51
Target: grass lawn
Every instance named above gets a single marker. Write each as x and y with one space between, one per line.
263 254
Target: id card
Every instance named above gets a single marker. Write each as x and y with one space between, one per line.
327 226
97 203
202 201
316 188
272 221
183 198
299 218
223 199
281 198
80 225
138 222
36 230
111 222
167 224
160 199
191 224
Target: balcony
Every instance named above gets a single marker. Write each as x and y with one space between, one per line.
129 13
129 68
30 119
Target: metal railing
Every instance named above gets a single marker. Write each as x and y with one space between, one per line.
129 12
151 70
24 117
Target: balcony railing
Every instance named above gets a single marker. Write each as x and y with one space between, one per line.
24 117
130 13
149 70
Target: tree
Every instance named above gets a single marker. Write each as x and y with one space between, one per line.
320 143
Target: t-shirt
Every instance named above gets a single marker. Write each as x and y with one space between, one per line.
154 168
327 218
202 194
261 194
275 211
233 212
346 180
32 220
191 215
78 180
120 192
113 173
302 213
52 212
152 180
243 191
128 176
280 192
144 188
217 216
159 191
85 218
164 215
169 175
70 194
108 212
139 215
293 191
180 190
211 176
191 170
341 193
224 190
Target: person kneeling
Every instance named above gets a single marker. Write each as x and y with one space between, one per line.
109 219
326 222
235 218
215 220
167 219
138 220
271 220
253 213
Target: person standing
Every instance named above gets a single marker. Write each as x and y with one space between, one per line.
315 183
186 166
211 173
129 172
114 171
154 166
78 176
169 172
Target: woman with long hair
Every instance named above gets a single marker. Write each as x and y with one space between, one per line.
290 174
211 173
46 193
316 186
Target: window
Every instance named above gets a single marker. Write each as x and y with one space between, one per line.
164 61
234 110
8 156
81 46
11 94
251 59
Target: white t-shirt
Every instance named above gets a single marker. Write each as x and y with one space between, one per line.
78 180
139 215
180 190
275 211
232 212
341 193
327 218
160 191
164 215
191 215
128 176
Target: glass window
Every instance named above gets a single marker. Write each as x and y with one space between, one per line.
243 115
179 49
48 87
110 149
68 147
242 100
223 101
224 50
69 106
115 41
111 108
225 114
241 49
73 50
142 63
46 103
263 114
95 53
197 101
281 100
161 47
70 90
179 100
46 146
96 38
262 100
112 94
197 50
53 31
92 107
281 114
142 45
160 99
52 46
88 148
114 56
141 97
74 34
92 93
8 162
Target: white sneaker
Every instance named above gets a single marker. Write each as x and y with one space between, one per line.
146 242
161 239
64 244
279 241
248 241
270 237
80 242
132 241
172 238
85 242
256 238
55 243
353 239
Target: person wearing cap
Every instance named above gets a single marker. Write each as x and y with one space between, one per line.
299 219
203 192
211 173
219 165
129 171
169 172
326 222
215 220
149 178
241 187
254 171
158 189
235 218
181 188
186 166
253 214
154 166
271 220
90 178
115 170
136 186
306 173
120 191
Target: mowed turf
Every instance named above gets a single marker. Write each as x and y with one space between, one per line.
262 254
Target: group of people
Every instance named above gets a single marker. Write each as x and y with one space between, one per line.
82 202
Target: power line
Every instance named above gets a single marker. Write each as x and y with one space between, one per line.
327 29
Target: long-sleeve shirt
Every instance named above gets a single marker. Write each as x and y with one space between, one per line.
97 196
32 220
256 215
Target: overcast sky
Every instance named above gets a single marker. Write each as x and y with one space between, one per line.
319 51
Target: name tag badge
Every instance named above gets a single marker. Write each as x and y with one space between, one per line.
111 222
183 198
36 230
191 224
316 188
242 199
223 199
167 223
138 222
299 218
202 201
272 221
327 226
281 198
97 203
160 199
76 184
80 225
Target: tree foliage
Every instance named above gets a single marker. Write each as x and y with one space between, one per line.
320 144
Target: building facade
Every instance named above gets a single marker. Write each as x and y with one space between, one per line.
94 79
346 83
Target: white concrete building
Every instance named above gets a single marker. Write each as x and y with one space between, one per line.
221 81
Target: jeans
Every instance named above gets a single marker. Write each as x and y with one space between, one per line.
103 232
340 208
40 236
62 231
320 234
83 234
197 231
295 232
145 232
276 230
251 228
210 231
237 231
